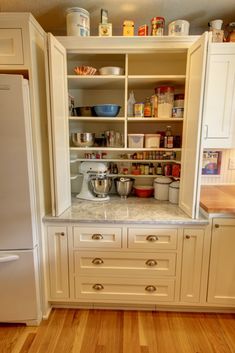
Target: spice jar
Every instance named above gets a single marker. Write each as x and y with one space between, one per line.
165 101
158 24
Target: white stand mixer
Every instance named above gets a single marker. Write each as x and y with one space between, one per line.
91 169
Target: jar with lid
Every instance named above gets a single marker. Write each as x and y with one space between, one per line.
158 24
147 108
78 22
174 192
165 101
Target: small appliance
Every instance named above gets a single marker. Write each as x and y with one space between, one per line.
91 170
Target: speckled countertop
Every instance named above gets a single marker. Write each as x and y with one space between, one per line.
131 210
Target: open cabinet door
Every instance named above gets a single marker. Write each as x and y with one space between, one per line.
58 126
192 130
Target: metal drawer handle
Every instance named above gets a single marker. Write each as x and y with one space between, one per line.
97 261
151 262
60 233
216 225
150 289
187 236
152 238
97 286
97 236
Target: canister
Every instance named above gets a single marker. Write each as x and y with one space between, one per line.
78 22
161 188
128 28
158 24
174 192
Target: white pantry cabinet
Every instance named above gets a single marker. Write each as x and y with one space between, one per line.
219 100
221 289
148 62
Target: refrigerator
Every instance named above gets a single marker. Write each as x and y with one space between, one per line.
19 246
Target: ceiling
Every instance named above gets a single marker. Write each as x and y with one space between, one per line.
51 14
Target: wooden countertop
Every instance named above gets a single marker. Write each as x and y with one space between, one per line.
218 198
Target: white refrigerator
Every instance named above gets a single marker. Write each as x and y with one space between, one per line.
19 248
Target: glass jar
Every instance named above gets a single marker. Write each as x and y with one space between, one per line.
147 108
165 101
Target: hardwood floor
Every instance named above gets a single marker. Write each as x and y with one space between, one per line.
113 331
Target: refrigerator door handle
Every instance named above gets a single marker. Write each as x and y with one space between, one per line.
9 258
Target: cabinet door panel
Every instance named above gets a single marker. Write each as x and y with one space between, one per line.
219 96
191 153
222 264
11 46
59 136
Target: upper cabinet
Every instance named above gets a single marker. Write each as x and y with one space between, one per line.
219 99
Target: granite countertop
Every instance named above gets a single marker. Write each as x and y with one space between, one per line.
218 199
131 210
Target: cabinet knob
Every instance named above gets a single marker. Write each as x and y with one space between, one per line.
151 262
216 225
60 233
97 286
97 261
187 236
152 238
150 289
97 236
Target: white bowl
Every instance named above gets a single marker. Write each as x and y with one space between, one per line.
111 70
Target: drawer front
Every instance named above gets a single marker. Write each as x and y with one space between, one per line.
116 264
94 237
152 238
147 290
11 47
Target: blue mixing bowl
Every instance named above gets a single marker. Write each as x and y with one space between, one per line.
106 110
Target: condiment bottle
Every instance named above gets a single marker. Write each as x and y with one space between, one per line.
169 138
147 108
130 104
159 169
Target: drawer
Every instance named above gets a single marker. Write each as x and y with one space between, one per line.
123 264
152 238
134 290
11 47
95 237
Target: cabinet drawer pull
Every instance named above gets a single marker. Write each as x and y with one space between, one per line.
150 289
97 261
152 238
151 262
97 286
216 225
97 236
187 236
60 233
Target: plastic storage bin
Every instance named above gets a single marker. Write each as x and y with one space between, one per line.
152 140
135 140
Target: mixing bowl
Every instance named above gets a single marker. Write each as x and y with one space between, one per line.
83 111
124 186
111 70
83 139
144 190
100 186
107 110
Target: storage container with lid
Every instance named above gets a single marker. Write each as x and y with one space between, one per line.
135 140
174 192
78 22
161 188
152 140
165 101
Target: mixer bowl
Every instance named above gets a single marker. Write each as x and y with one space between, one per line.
100 187
83 139
124 186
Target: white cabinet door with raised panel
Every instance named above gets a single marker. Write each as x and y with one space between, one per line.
219 103
58 262
221 289
192 265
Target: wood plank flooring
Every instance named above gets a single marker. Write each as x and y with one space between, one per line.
114 331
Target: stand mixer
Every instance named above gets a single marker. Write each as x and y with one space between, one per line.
94 171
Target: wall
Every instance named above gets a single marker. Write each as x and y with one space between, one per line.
227 176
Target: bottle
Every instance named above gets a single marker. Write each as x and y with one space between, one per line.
130 104
168 143
151 169
147 108
159 169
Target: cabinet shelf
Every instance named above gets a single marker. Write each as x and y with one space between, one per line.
148 81
122 149
116 160
96 82
154 120
96 119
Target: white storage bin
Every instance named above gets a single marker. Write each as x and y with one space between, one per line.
135 140
161 188
152 140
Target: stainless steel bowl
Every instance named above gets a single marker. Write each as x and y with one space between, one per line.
124 186
111 70
100 186
83 139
